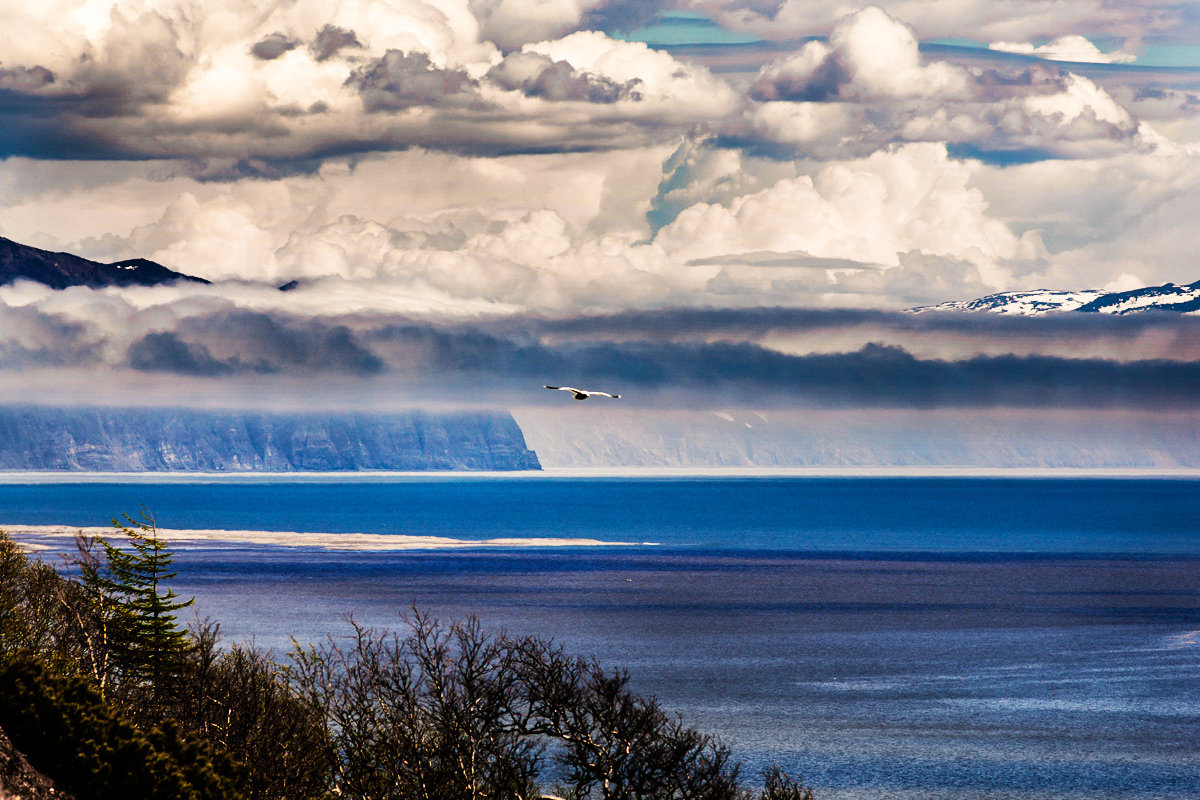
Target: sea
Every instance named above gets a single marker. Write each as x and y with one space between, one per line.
908 638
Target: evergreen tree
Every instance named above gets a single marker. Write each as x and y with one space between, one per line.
151 642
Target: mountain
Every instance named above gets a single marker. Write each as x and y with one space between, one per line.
60 270
150 440
1168 297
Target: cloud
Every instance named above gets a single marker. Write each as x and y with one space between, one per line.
869 56
1066 48
25 80
540 76
403 80
871 210
512 23
635 228
989 20
759 357
231 85
867 87
273 46
666 87
331 40
166 352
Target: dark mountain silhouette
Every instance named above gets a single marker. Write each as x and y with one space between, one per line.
61 270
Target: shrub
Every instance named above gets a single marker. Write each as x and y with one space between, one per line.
72 735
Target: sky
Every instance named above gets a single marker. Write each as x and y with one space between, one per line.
701 204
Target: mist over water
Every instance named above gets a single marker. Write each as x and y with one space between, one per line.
932 639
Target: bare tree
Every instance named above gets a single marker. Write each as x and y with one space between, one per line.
426 717
613 743
239 700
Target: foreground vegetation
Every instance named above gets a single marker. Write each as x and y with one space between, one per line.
108 695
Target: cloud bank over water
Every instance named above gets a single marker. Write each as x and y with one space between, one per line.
95 346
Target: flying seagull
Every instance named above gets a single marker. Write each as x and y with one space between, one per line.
581 394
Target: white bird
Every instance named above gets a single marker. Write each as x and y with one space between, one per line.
581 394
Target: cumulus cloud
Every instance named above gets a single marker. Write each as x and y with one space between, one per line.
1066 48
403 80
538 75
665 84
232 84
990 20
565 171
868 87
911 199
512 23
869 56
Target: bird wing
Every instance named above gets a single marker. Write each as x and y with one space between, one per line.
605 394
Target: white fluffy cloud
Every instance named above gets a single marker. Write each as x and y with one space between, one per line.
660 81
873 211
1107 222
561 171
511 23
1072 47
294 80
868 86
990 20
869 56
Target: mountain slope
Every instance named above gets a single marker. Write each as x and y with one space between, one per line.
1168 297
60 270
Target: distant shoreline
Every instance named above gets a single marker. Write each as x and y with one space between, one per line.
365 476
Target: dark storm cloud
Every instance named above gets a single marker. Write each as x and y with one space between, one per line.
29 339
692 372
403 80
1069 328
40 119
248 342
273 46
166 352
331 40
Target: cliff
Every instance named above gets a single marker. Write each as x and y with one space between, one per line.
138 440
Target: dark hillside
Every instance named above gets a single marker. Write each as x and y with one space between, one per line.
61 270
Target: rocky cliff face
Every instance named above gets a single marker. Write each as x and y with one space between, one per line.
137 440
20 781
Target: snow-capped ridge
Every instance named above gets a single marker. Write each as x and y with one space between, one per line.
1167 297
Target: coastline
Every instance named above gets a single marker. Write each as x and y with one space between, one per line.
633 472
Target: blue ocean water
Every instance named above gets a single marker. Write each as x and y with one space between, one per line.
933 639
761 513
